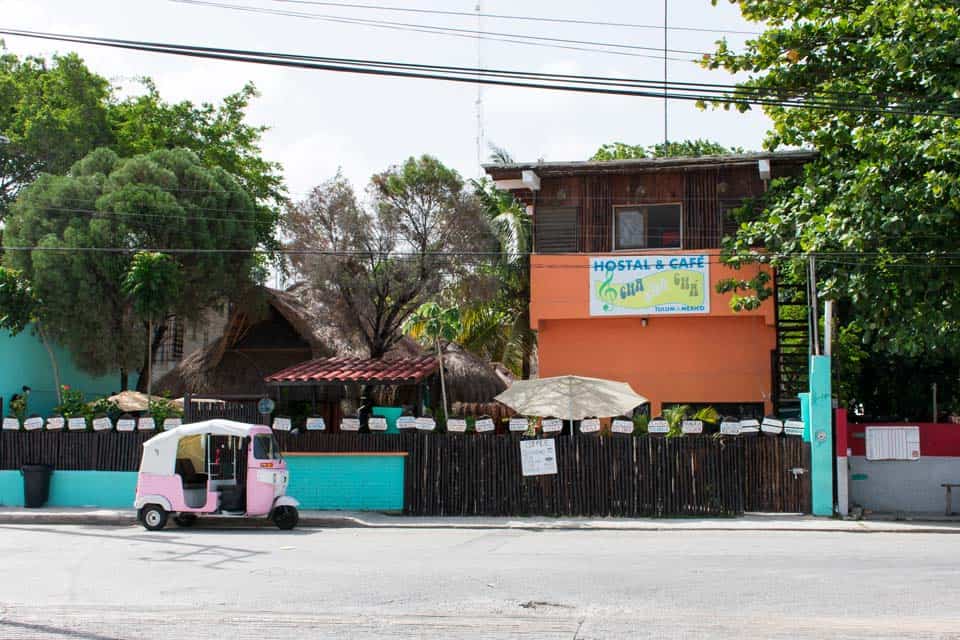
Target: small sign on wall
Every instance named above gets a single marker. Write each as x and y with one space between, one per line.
590 425
102 424
123 424
793 427
730 428
77 424
316 424
456 425
55 423
11 424
171 423
282 424
658 426
893 443
552 425
519 424
484 425
426 424
376 423
406 422
538 457
34 423
146 423
622 426
691 427
350 424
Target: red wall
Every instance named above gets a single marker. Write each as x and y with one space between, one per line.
936 439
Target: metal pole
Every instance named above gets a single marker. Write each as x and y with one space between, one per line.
934 386
665 136
827 327
813 305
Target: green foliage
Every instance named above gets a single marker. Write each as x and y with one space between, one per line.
161 199
153 283
682 149
52 112
17 304
18 406
104 407
432 323
161 409
677 414
881 202
640 423
72 404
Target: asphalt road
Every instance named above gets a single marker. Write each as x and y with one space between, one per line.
101 583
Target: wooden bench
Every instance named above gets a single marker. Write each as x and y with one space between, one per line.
949 496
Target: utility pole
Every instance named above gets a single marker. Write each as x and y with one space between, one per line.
479 101
665 136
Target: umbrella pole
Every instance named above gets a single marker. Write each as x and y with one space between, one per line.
570 398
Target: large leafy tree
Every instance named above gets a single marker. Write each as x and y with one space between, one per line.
51 114
378 262
74 237
880 205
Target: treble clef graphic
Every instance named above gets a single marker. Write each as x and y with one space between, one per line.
608 292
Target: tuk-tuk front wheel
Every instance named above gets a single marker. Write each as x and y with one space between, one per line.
153 517
285 517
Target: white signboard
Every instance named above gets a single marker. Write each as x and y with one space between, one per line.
772 426
456 425
406 422
691 426
11 424
316 424
893 443
426 424
590 425
123 424
538 457
518 424
552 425
350 424
658 426
32 424
77 424
171 423
749 426
649 285
146 423
730 428
484 425
377 423
622 426
282 424
793 427
55 423
102 424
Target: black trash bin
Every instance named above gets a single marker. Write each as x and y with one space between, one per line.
36 484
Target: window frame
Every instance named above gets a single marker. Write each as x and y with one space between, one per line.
646 225
538 214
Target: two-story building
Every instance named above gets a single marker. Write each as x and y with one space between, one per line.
624 273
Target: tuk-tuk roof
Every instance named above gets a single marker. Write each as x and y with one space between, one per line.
163 446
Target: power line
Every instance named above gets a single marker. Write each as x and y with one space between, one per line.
500 16
512 38
507 79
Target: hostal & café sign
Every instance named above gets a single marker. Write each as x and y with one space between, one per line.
649 285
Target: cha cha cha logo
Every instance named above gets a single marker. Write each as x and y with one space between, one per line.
649 285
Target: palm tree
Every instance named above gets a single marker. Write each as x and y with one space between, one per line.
499 327
433 323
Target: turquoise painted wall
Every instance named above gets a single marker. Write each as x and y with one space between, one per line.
354 483
820 414
26 362
105 489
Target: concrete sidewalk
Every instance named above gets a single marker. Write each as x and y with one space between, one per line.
341 519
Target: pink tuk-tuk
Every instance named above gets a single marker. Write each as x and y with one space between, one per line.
216 467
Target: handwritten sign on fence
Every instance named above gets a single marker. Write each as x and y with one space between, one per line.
622 426
171 423
55 423
406 422
518 424
32 424
426 424
146 423
376 423
77 424
658 426
123 424
11 424
484 425
456 425
552 425
282 424
350 424
102 424
538 457
316 424
590 425
691 426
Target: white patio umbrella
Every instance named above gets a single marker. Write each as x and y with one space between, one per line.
571 397
134 401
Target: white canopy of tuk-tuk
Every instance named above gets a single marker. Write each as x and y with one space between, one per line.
160 451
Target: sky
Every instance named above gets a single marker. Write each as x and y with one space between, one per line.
320 122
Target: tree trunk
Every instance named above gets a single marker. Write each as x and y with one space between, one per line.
443 384
54 367
149 358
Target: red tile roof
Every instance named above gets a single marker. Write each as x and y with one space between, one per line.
399 371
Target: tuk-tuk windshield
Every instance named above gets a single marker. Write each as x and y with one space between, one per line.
265 447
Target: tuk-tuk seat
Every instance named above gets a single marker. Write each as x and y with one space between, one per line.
191 479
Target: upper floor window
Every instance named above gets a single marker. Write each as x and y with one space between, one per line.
656 226
555 230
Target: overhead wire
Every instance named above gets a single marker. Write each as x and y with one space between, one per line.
474 76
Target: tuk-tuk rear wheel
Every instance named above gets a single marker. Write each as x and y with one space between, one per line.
285 517
153 517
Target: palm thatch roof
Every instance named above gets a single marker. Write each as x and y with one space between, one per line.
226 367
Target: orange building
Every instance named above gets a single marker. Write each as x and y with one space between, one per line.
624 274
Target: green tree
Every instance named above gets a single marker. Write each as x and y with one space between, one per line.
684 148
378 264
433 323
73 237
20 308
51 115
880 204
153 284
